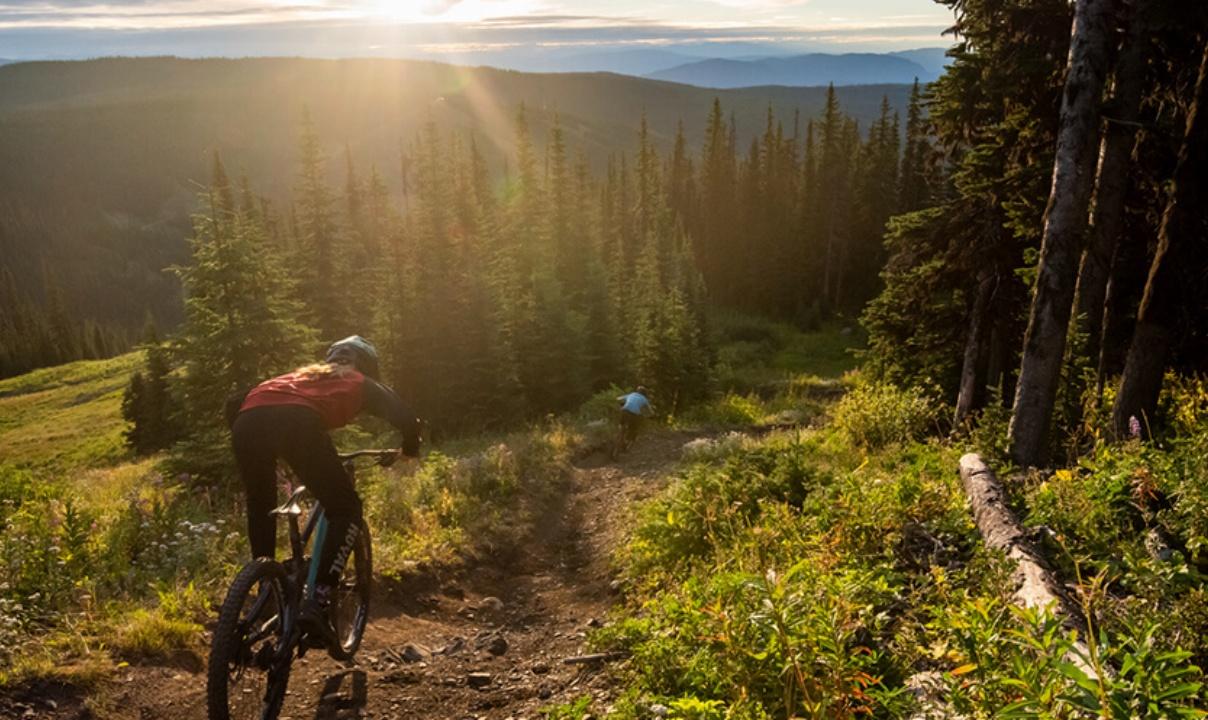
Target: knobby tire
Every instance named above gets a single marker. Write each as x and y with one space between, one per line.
232 660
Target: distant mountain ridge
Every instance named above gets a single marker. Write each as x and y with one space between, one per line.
808 70
933 60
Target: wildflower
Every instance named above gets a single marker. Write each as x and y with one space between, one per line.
1134 427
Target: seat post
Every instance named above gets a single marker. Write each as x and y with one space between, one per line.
295 538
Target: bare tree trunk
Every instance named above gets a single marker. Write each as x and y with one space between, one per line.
1124 290
1181 230
977 357
996 367
1065 224
1114 155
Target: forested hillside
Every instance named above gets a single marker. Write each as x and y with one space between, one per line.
500 299
100 161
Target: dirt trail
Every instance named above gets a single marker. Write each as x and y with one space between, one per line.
539 606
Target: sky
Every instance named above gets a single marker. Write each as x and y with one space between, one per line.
465 29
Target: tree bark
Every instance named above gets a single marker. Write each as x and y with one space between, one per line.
1180 233
1112 180
972 394
1065 224
1130 267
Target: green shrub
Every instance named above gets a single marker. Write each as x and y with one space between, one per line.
729 410
577 709
875 415
1024 663
174 624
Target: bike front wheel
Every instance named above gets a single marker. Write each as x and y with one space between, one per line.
250 653
350 611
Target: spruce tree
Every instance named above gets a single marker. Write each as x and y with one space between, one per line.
324 282
240 324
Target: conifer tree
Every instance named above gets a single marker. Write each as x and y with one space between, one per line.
913 192
324 283
240 324
148 403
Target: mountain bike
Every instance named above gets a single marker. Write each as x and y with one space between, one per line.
258 635
628 425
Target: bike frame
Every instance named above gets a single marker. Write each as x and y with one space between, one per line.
299 538
316 525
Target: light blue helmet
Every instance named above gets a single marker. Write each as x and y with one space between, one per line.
356 351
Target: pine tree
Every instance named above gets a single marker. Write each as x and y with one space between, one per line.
148 403
240 325
913 193
324 283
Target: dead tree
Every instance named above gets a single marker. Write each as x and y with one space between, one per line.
977 351
1180 237
1064 226
1121 114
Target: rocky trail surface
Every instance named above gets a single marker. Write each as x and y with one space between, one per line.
490 642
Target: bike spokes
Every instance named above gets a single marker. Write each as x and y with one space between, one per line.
248 674
249 659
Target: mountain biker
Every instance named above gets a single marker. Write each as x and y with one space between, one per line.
288 417
634 406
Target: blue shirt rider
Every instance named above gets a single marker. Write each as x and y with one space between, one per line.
635 402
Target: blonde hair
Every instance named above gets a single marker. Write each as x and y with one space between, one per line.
322 370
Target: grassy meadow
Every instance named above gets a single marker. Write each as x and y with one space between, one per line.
66 417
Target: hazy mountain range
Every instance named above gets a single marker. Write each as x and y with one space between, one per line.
714 65
809 70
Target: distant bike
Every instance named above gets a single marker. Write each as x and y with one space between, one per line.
258 635
627 432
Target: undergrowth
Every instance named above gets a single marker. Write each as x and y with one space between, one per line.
127 566
834 571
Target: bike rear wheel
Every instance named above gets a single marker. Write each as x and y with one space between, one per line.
350 611
249 656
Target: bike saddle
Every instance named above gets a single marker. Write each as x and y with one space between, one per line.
291 506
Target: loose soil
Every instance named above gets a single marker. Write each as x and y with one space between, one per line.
536 606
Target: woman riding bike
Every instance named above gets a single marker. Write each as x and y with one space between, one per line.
634 406
288 417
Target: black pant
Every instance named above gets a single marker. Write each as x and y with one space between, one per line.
295 434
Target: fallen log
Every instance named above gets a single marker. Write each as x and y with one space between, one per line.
1000 530
1036 587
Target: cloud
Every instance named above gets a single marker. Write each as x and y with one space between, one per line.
456 30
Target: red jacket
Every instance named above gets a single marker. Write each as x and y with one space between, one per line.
337 398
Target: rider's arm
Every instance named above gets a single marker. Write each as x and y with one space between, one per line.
382 402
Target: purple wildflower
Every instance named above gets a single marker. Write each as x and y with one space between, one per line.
1134 427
